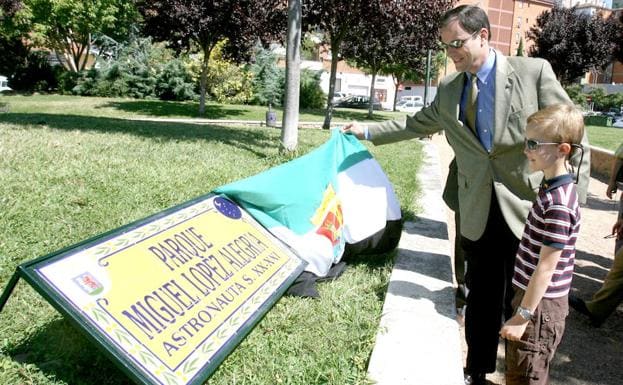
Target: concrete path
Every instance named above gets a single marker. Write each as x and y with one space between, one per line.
419 340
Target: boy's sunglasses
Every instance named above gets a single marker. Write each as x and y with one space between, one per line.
458 43
533 144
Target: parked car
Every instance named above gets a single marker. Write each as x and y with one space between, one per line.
4 84
358 101
409 106
338 96
618 123
412 98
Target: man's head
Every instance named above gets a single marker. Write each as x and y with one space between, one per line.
465 32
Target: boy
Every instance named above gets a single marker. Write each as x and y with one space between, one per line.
544 261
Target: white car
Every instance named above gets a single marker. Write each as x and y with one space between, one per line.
618 123
412 98
409 106
337 96
4 84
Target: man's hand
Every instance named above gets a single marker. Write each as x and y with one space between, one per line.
514 328
354 128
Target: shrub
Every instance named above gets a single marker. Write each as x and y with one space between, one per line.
33 74
268 80
227 82
311 95
141 70
175 82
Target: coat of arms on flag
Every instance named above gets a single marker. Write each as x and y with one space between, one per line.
333 201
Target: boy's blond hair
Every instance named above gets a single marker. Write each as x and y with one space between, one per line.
560 123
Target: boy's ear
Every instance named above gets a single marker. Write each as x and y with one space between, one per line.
564 148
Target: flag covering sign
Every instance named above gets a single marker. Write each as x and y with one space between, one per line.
332 199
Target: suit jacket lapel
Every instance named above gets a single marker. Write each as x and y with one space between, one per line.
504 88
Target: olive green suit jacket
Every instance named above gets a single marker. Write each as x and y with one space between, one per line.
522 86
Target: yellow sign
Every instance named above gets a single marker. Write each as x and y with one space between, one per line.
172 292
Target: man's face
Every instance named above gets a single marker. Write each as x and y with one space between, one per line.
474 48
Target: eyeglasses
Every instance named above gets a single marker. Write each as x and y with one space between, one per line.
457 43
609 236
533 144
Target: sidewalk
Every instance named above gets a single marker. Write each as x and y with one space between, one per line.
420 343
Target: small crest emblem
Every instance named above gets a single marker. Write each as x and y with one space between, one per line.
88 283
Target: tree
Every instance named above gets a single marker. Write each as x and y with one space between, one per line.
520 47
189 24
415 71
335 18
289 131
574 43
395 37
10 7
617 22
70 27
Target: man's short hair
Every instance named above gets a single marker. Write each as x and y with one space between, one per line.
471 18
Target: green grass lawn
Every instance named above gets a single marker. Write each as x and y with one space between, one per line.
605 137
72 168
136 109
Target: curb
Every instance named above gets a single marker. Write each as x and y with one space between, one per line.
418 341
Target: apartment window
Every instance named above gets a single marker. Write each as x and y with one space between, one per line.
517 37
519 22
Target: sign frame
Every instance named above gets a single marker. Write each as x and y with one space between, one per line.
28 271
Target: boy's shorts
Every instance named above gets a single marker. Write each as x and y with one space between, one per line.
528 360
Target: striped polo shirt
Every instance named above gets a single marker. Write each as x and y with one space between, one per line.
554 221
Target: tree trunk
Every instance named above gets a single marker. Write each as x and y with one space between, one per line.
371 101
396 85
289 131
204 80
334 59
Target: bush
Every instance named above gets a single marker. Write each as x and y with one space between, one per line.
268 80
575 94
141 70
311 95
33 74
226 82
175 82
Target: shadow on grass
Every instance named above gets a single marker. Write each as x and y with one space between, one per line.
60 351
167 109
159 108
249 139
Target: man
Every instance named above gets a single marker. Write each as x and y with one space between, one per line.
483 109
605 300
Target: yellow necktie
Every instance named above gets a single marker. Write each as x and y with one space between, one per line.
471 104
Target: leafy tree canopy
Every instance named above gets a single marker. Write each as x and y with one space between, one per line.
70 27
199 24
395 36
573 42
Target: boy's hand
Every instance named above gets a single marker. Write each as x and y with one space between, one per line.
514 328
